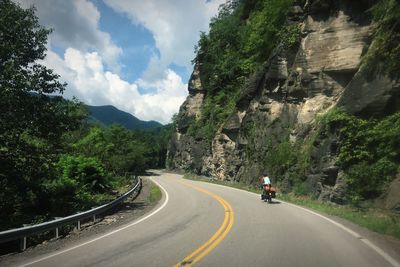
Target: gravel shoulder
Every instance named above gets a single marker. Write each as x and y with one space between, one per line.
125 213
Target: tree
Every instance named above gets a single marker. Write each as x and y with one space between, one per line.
31 122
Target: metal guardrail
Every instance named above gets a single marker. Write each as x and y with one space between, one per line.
23 232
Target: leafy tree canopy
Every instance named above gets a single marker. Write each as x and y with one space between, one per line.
31 122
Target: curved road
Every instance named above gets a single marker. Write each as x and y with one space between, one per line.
209 225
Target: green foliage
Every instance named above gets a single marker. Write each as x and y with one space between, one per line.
281 157
368 151
352 132
79 183
289 160
384 51
248 128
31 123
156 142
289 35
286 162
23 41
300 189
52 162
155 194
241 38
87 172
121 150
117 148
261 34
214 111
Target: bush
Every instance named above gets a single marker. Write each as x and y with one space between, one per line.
368 151
87 172
78 184
384 51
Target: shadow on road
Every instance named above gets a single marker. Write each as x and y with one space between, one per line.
150 173
133 206
273 202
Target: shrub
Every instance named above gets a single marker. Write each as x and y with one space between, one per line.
78 184
87 172
384 51
368 151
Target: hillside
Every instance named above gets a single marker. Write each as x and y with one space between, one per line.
109 115
307 91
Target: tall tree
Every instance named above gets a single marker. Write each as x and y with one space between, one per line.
31 122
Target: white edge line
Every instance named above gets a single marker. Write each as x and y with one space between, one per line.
378 250
110 233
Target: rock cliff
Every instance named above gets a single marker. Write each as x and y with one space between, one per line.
279 106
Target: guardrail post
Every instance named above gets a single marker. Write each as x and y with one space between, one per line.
23 243
57 233
79 225
94 218
23 240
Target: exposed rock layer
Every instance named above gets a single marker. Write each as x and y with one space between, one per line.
283 100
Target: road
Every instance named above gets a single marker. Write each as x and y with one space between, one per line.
209 225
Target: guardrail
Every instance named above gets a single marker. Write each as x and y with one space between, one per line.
23 232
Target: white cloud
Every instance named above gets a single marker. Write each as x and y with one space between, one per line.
90 53
88 81
76 24
175 25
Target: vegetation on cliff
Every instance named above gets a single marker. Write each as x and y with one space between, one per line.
368 151
384 52
242 38
239 41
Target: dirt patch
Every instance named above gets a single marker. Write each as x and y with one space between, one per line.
124 213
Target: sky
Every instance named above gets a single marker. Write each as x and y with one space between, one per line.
132 54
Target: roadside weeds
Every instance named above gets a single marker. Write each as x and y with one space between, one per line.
154 195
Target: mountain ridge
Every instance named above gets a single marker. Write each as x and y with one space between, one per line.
108 115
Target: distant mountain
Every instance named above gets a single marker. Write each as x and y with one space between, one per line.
109 115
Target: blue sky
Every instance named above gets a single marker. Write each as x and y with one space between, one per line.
137 50
136 41
132 54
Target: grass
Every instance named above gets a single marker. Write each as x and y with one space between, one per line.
376 220
155 194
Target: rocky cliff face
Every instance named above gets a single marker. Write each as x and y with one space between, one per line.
279 105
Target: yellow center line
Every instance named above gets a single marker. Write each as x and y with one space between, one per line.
221 233
220 238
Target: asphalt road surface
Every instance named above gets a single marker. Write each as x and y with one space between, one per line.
203 224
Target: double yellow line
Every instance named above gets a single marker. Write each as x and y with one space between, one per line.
223 230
